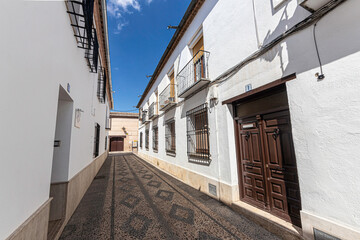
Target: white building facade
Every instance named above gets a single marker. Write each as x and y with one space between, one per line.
256 104
55 102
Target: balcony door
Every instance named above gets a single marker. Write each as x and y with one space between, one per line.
172 86
198 59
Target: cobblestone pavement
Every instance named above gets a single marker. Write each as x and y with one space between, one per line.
130 199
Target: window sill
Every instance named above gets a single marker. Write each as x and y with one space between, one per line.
171 153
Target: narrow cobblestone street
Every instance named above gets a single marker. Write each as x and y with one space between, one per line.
130 199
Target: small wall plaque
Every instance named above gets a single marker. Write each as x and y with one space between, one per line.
248 88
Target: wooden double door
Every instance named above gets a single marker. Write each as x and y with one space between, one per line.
116 144
267 165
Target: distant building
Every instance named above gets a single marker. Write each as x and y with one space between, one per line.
55 103
256 103
123 134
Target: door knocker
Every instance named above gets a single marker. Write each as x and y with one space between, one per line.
247 136
276 133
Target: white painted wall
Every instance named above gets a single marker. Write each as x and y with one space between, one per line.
39 53
324 114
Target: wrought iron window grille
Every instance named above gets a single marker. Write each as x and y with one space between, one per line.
81 17
147 139
155 138
101 86
193 72
198 147
141 140
170 136
96 140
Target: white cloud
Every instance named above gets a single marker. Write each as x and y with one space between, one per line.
123 5
121 25
120 8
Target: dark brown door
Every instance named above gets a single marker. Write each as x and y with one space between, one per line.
251 163
268 166
284 192
116 144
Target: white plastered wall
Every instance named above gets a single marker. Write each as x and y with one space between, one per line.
324 114
38 54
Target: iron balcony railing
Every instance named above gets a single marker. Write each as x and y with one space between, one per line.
194 71
153 110
167 97
144 118
81 17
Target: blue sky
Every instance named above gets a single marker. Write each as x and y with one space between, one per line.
138 36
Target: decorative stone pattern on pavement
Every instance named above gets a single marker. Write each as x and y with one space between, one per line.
137 201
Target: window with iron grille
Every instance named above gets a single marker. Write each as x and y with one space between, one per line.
147 139
81 17
198 133
96 140
170 144
155 138
141 139
101 86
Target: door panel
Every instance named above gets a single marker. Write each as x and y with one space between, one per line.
116 144
252 164
281 169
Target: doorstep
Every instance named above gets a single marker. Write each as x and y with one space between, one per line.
273 224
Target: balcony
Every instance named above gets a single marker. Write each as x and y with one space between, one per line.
81 17
167 97
194 75
153 111
144 117
313 5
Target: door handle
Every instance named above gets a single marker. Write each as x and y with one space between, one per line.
276 133
247 136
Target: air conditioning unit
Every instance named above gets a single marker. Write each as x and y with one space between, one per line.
313 5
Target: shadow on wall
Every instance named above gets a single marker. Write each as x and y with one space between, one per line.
194 101
336 38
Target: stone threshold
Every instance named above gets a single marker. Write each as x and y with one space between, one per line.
273 224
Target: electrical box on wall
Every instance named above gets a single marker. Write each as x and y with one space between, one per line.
313 5
212 189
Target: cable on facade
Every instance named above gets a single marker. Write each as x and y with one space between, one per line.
313 18
321 76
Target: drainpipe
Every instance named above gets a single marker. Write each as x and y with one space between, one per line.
214 101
